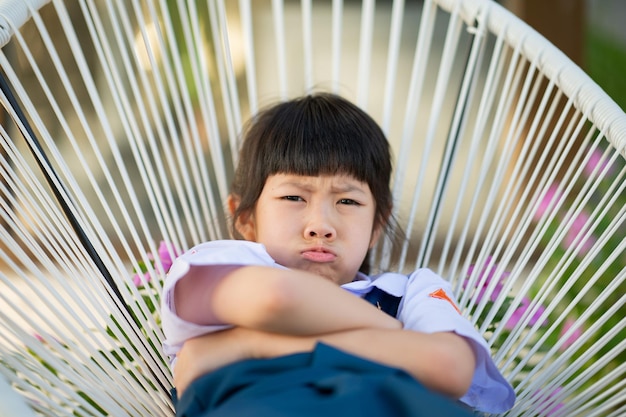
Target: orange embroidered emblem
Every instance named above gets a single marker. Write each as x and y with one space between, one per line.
441 294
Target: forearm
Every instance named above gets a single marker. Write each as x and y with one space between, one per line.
443 362
289 302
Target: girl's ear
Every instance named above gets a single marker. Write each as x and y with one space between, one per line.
376 233
379 227
244 224
232 202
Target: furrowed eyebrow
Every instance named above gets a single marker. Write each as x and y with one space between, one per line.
335 188
298 185
347 189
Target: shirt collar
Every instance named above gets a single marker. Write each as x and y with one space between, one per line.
391 283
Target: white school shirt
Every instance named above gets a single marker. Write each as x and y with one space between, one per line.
426 306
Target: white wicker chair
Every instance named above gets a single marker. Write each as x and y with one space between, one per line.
121 131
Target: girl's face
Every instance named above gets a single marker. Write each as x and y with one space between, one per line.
322 224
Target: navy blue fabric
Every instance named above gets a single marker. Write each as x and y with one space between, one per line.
383 300
325 382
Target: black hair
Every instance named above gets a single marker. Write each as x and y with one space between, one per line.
313 135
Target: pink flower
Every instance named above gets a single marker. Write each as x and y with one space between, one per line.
165 256
143 277
519 313
143 272
594 161
488 274
546 406
43 340
573 337
139 281
552 196
577 229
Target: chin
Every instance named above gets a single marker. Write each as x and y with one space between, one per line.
324 273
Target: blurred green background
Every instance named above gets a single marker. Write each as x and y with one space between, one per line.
605 46
591 32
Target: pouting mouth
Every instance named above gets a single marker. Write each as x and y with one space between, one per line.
318 254
320 249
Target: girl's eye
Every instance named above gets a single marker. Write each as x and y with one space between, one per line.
292 198
349 202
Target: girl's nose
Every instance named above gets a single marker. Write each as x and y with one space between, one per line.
319 227
320 232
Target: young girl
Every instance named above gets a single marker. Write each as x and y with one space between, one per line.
310 197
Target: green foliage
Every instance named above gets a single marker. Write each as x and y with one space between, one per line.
605 62
596 226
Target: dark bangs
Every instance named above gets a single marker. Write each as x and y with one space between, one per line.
321 134
324 135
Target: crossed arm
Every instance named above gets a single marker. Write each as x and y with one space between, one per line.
277 312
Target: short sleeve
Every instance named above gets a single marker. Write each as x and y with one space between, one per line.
429 306
219 252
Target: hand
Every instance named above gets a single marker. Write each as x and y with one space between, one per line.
207 353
